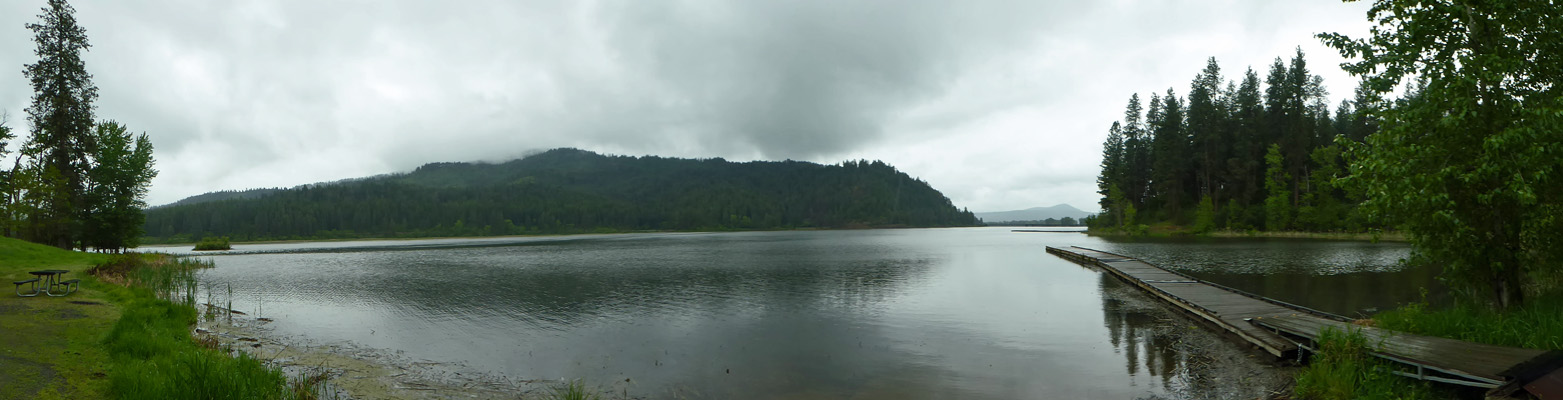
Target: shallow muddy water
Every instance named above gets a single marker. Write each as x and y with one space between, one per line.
919 313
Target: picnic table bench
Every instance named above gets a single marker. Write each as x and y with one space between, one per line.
48 279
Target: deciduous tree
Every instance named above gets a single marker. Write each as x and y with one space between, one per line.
1471 163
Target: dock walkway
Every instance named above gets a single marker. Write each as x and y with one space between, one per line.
1283 329
1226 308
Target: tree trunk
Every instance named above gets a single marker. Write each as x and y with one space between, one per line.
1507 289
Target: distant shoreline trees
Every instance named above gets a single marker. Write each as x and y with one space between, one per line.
572 191
1240 155
76 182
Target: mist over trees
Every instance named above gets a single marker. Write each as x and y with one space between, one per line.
571 191
1241 154
76 182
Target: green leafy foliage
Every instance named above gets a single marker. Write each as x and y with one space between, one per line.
1469 159
1205 215
120 175
1278 204
1536 325
75 183
573 191
213 243
154 356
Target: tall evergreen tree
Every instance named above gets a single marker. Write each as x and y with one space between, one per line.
1136 143
61 116
1207 129
1300 126
1171 171
1110 181
1248 141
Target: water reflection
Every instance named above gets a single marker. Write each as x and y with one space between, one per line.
1186 359
945 313
1351 278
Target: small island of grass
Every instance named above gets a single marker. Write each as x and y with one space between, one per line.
213 243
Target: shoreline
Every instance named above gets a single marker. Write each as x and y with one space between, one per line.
549 235
352 371
1229 234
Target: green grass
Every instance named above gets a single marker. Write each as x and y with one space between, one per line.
154 356
50 346
1536 325
120 336
574 390
1343 369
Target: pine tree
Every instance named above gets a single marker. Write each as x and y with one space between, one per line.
1172 170
1136 144
1206 129
61 116
1112 169
1248 144
1278 205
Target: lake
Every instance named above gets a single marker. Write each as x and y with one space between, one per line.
973 313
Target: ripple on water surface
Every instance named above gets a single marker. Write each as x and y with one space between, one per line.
921 313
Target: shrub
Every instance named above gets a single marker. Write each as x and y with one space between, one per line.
213 243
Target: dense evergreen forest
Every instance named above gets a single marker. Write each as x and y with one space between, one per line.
1235 155
571 191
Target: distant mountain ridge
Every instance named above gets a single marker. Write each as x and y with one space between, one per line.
568 191
1033 214
222 195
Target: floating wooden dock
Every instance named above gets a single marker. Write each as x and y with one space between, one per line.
1432 358
1225 308
1284 330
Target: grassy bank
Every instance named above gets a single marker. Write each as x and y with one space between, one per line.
120 336
152 352
1536 325
1344 370
1169 231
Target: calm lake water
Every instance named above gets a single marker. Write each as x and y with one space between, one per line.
920 313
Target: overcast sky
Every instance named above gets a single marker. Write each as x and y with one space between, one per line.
999 104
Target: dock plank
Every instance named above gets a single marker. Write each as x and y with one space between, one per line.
1282 329
1459 357
1221 307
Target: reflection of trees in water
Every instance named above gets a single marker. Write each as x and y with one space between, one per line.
552 289
1190 361
1139 332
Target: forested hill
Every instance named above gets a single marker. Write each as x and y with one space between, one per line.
571 191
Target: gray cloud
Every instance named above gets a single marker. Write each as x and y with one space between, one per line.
999 104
